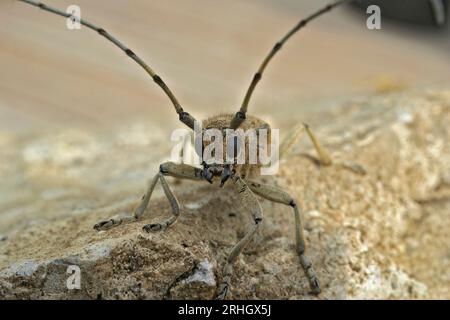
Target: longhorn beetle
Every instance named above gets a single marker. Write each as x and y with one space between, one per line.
241 175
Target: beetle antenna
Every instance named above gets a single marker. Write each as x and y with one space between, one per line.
185 117
241 114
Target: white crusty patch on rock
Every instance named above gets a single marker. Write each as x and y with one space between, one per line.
203 273
21 269
97 251
391 283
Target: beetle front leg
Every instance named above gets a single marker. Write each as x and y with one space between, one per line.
181 171
174 204
277 195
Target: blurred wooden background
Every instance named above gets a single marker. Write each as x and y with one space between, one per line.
207 51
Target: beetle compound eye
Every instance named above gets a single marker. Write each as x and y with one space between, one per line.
213 151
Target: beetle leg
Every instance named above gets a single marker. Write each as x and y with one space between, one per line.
277 195
181 171
251 204
324 155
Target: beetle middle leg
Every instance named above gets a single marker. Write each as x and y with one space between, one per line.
277 195
251 204
181 171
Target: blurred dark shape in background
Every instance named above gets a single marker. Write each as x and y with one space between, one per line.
422 12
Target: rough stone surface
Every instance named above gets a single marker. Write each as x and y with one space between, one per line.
379 235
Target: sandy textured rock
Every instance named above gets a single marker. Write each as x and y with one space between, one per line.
381 235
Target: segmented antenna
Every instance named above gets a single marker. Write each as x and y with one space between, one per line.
185 117
241 114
